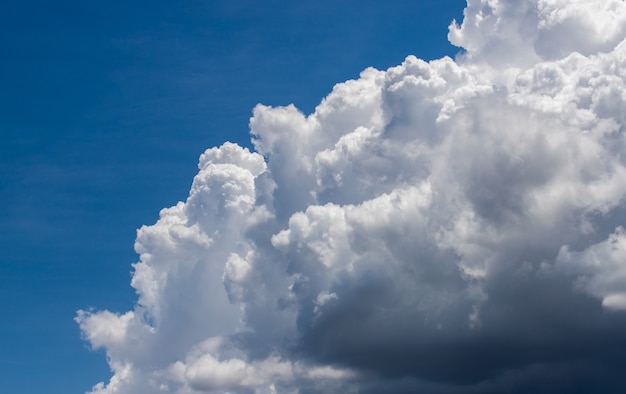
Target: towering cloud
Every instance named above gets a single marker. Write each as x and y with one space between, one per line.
451 226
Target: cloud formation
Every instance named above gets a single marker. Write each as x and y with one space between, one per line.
452 226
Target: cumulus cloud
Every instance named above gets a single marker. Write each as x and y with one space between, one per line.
452 226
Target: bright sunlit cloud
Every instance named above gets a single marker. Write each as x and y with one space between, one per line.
447 226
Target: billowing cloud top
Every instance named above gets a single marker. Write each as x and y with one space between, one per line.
444 226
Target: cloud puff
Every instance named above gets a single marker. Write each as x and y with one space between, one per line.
450 226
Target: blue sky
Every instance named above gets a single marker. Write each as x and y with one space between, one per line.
105 108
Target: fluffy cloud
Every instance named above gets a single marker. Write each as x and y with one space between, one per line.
445 226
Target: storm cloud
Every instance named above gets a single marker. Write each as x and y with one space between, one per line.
452 226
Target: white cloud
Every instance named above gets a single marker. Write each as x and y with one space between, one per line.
601 269
520 33
448 225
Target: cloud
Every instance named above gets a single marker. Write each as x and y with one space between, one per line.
451 226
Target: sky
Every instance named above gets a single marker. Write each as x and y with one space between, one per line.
330 197
105 109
